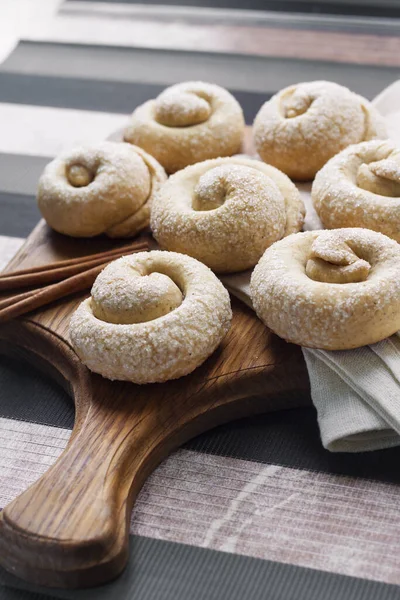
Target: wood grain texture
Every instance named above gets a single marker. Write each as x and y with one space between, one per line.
70 529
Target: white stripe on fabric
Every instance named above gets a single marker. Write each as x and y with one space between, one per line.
47 131
8 247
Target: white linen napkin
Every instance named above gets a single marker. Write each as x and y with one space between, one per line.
356 392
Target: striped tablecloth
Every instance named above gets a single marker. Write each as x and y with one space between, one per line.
254 509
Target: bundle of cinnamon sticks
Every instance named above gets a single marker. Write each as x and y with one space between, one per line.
56 280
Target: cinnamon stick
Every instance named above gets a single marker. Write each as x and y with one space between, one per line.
16 298
20 304
49 294
57 271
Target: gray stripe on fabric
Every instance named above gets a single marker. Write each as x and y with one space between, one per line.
231 16
289 438
104 96
28 395
19 176
159 570
19 214
164 67
8 593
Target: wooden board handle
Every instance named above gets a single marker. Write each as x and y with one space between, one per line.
70 529
74 519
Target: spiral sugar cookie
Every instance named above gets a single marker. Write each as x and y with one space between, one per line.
304 125
188 123
105 188
360 187
226 212
334 290
152 316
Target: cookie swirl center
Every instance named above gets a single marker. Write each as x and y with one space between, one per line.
296 104
211 190
380 177
332 260
79 175
181 109
123 295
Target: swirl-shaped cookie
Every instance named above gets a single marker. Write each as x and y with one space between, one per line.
188 123
360 187
333 290
226 212
304 125
152 316
107 188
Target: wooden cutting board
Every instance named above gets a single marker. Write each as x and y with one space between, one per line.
70 528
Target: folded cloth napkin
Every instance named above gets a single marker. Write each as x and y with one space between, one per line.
356 392
357 396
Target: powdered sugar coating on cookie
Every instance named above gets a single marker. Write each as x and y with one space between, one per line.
360 187
300 128
337 311
226 212
104 188
166 344
188 123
